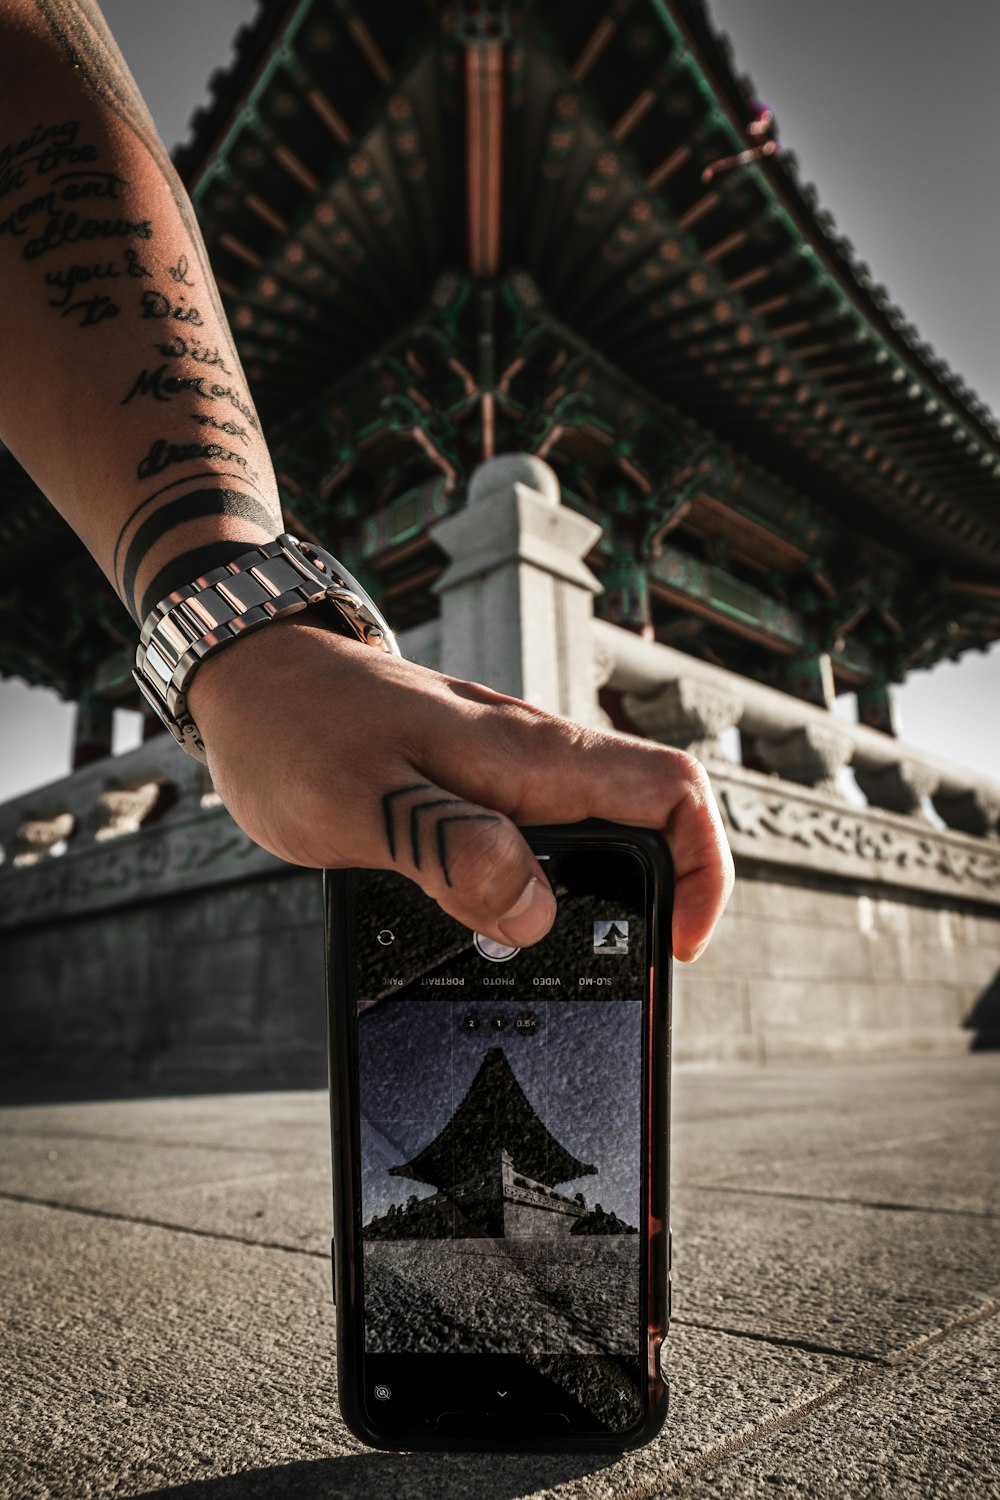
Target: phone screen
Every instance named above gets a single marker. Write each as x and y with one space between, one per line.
502 1209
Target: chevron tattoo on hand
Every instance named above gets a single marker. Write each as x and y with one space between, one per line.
418 829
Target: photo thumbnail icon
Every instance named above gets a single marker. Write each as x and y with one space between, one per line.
611 937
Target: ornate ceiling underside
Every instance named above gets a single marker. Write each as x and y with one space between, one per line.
444 231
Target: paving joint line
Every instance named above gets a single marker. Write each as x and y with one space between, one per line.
120 1218
779 1340
146 1142
881 1206
650 1488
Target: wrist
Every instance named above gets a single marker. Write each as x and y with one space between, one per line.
263 586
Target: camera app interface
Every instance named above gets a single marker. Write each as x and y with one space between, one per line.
501 1099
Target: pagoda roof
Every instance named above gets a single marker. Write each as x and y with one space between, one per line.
446 230
494 1116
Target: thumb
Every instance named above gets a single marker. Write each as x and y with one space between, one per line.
471 860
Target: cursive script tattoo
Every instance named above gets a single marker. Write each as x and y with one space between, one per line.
67 228
179 272
134 265
76 276
81 32
226 393
182 345
95 309
232 428
89 183
164 453
17 166
161 386
156 305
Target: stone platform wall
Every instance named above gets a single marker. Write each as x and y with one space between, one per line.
179 955
213 990
808 965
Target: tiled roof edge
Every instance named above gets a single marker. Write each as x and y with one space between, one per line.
884 313
226 85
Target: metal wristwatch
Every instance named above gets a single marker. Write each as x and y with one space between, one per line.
263 584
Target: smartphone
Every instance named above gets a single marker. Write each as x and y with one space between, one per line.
500 1157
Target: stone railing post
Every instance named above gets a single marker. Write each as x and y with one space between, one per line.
899 787
689 715
812 755
972 810
516 598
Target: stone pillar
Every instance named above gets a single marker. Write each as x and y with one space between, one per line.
690 715
516 598
810 676
812 755
93 730
626 591
876 707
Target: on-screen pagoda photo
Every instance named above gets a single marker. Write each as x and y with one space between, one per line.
495 1168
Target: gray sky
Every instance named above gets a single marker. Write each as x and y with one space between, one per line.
889 106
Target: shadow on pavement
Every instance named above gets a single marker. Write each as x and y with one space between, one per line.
387 1476
23 1090
984 1018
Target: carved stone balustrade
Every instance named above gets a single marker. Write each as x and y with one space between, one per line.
972 809
36 838
901 787
800 741
811 756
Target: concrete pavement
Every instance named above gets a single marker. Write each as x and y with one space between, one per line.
165 1280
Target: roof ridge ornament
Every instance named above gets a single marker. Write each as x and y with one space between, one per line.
763 132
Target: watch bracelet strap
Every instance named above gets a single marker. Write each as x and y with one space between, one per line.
263 584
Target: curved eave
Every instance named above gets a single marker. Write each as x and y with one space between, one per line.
835 252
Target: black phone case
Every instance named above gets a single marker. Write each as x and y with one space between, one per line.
345 1142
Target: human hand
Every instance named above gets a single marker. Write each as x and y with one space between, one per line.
329 753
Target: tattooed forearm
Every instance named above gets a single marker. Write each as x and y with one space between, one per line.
80 31
103 235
